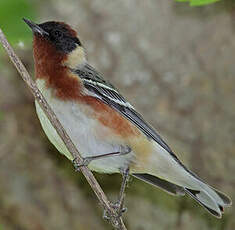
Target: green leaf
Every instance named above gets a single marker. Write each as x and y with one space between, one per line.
201 2
11 14
198 2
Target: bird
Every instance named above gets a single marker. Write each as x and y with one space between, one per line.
110 134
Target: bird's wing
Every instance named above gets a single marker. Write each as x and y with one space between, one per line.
108 94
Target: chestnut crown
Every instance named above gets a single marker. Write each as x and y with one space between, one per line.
61 35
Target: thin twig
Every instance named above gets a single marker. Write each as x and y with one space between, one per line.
116 221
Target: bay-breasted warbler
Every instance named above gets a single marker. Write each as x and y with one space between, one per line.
104 127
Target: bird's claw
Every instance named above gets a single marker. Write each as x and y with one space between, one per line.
117 206
118 211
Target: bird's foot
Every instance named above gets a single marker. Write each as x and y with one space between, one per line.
119 210
118 206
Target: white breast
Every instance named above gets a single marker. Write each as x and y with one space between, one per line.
88 135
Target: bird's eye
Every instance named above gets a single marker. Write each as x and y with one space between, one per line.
57 34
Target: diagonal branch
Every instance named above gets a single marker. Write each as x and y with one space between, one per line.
116 221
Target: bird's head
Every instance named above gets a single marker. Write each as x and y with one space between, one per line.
57 40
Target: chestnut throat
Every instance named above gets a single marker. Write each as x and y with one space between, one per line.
49 66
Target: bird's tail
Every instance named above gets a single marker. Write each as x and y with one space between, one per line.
211 199
168 173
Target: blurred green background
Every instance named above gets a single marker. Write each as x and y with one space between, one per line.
174 62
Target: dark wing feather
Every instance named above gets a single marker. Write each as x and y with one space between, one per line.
163 184
106 92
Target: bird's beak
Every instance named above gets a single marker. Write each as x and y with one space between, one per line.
35 27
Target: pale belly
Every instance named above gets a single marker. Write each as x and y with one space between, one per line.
88 135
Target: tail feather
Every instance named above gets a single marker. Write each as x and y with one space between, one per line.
222 199
168 173
207 202
212 200
227 201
